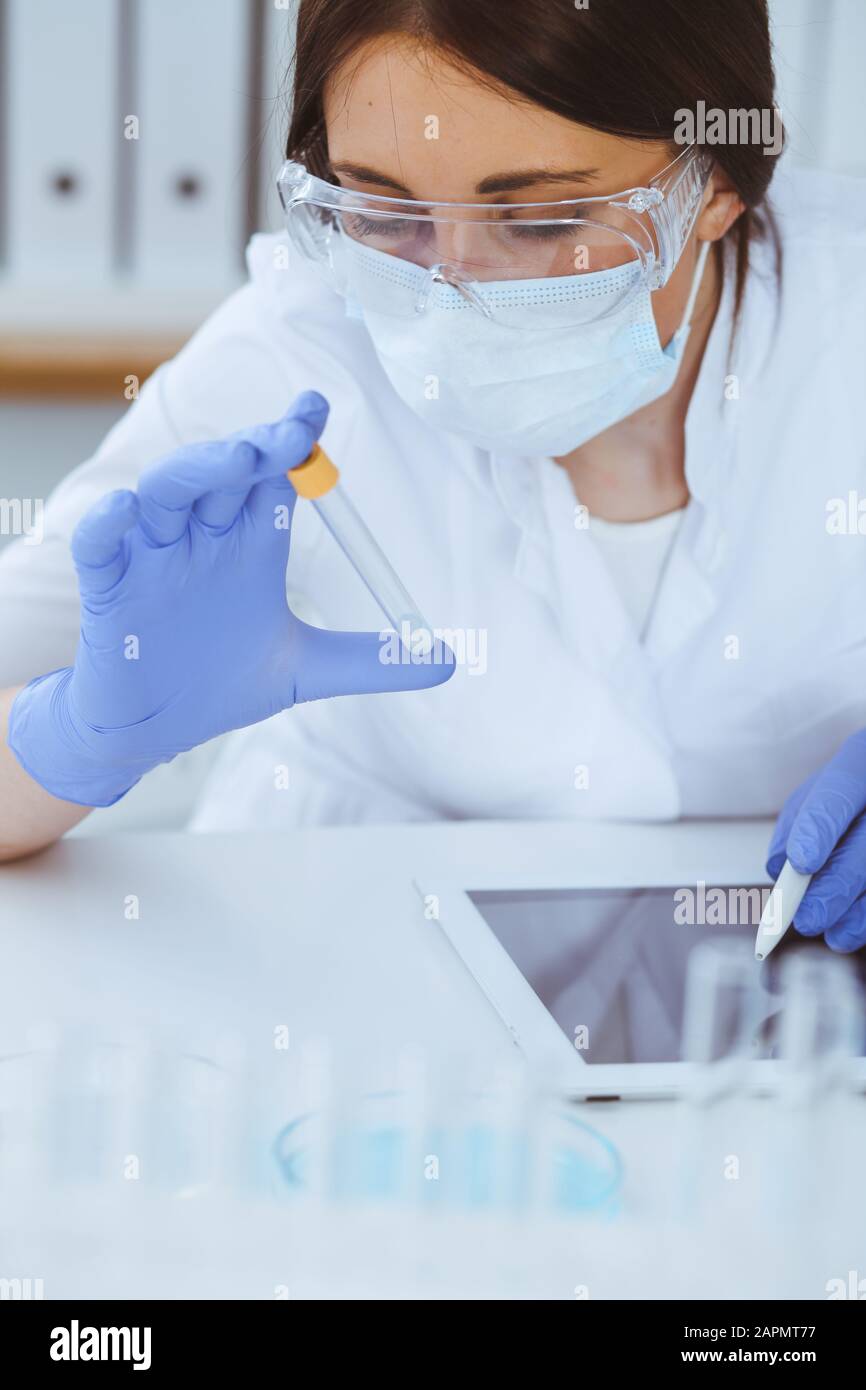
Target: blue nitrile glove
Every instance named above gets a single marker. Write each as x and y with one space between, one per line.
822 830
185 628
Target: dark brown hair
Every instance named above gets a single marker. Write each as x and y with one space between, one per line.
625 67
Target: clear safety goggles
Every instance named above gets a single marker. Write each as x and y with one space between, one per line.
463 255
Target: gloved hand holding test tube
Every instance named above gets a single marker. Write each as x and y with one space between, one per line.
318 480
193 565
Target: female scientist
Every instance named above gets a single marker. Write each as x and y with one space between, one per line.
598 399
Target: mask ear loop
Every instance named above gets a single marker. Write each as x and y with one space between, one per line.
693 292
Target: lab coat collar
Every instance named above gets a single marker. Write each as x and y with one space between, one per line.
713 424
730 361
555 556
688 595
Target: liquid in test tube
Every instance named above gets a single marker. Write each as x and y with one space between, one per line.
318 480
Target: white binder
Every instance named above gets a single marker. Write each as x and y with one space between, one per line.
192 64
60 69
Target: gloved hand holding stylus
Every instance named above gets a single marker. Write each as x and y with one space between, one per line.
822 831
185 628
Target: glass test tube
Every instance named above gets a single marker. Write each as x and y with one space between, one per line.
317 479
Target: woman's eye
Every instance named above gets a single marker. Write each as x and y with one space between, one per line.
357 225
537 231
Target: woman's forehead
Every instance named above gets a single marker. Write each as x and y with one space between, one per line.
435 129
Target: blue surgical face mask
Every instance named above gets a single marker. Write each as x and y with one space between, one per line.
575 357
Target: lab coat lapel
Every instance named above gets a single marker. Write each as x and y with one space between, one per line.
688 596
557 559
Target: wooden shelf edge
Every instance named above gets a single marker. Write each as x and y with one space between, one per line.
91 368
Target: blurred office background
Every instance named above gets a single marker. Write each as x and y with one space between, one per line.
117 235
116 240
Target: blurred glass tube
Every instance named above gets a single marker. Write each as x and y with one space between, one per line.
815 1177
822 1025
725 1010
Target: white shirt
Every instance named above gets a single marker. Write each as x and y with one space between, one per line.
636 555
753 666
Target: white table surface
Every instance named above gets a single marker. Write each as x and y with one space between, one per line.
321 931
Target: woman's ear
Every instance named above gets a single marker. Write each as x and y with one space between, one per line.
722 206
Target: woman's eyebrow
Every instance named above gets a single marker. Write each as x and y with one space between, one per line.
364 174
524 178
496 183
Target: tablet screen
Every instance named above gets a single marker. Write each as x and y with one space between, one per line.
610 964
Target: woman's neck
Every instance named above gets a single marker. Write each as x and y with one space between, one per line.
636 469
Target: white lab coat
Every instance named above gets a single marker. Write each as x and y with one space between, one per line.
753 668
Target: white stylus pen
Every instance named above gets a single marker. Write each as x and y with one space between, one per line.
785 897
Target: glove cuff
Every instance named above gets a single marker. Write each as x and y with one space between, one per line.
44 739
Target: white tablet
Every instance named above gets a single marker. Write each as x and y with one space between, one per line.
590 980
